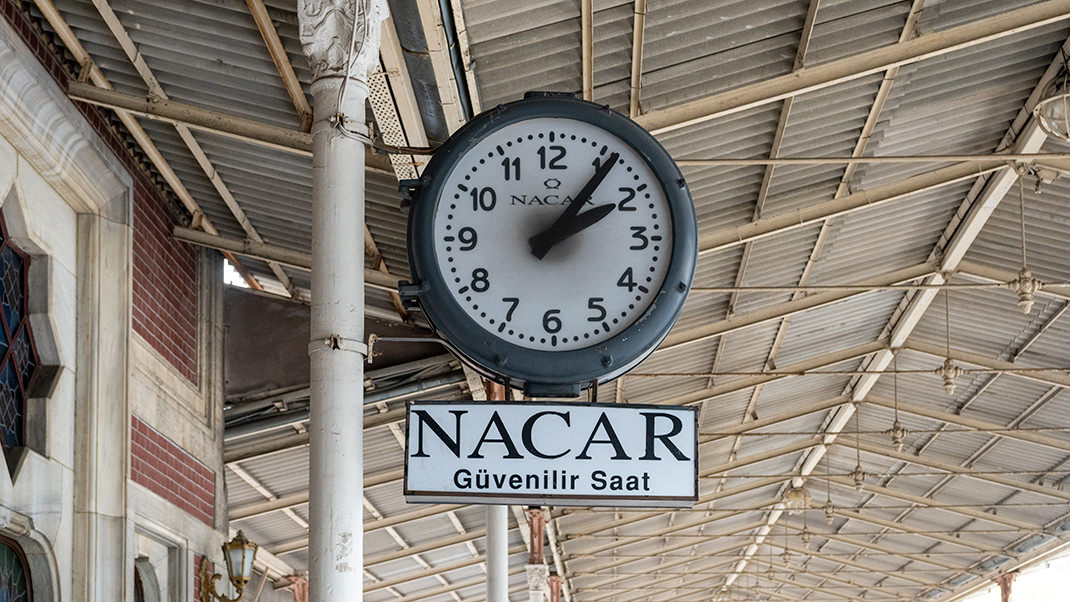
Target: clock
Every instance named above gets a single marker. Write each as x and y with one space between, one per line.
552 243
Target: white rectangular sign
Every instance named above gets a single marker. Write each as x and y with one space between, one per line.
560 454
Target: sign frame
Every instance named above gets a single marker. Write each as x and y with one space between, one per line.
577 500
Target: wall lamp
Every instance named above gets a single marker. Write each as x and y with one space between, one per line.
238 554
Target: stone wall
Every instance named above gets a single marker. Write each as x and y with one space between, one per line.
130 462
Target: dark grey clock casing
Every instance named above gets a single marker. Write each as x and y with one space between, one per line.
546 373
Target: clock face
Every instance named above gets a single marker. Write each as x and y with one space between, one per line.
531 266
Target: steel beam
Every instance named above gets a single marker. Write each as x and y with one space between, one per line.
853 67
96 75
255 449
865 545
658 552
747 382
955 470
205 120
925 502
737 322
638 27
663 532
1049 378
141 66
587 45
431 572
445 589
712 497
898 526
282 62
904 575
816 212
737 429
272 253
813 588
431 18
719 470
988 273
1037 438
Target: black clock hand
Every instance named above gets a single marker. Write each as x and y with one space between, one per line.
588 189
574 206
543 241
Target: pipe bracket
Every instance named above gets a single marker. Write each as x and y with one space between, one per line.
337 342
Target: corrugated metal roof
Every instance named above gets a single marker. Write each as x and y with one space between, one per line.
210 54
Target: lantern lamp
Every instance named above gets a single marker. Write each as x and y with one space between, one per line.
1053 110
238 555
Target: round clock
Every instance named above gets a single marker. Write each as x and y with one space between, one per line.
552 242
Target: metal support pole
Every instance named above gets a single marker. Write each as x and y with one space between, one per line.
537 571
1006 581
336 352
497 530
497 553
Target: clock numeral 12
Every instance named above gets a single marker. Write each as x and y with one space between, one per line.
554 162
511 168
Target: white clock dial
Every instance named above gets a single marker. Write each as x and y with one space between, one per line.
590 284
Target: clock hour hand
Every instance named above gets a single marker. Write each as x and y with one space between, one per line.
543 241
561 228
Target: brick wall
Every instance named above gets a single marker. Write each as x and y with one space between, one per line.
165 276
165 286
169 471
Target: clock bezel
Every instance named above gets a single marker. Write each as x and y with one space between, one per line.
548 372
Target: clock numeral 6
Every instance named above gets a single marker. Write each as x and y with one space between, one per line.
637 233
483 198
627 280
480 281
550 322
513 302
554 162
629 194
468 238
595 304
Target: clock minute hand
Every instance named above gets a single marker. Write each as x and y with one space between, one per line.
588 189
543 241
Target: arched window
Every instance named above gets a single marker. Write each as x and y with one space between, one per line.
14 575
18 354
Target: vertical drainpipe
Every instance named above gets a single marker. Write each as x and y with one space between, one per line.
341 41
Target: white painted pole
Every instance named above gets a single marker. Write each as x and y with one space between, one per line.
497 553
336 475
497 529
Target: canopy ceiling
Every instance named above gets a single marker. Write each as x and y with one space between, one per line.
978 486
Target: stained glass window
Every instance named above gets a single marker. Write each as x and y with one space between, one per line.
14 576
18 355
